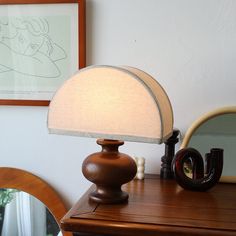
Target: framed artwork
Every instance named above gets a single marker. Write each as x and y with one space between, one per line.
42 44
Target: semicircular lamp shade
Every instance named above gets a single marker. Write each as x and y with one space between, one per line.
112 103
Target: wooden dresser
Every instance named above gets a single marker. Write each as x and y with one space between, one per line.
157 207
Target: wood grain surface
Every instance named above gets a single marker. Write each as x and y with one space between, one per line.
158 207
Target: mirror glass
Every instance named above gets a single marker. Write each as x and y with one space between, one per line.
22 214
218 132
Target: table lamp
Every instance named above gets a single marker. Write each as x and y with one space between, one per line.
111 103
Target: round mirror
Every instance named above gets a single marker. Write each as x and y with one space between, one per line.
216 129
23 214
28 205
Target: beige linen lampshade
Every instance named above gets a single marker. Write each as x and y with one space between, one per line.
112 103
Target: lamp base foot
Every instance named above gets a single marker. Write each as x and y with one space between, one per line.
105 195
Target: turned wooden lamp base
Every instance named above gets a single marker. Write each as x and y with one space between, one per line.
109 170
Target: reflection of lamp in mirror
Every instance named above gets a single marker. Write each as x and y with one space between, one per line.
111 103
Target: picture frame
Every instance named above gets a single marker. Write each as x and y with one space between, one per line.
42 44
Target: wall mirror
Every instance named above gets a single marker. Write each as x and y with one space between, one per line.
28 205
216 129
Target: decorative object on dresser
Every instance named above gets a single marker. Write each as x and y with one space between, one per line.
198 181
140 162
112 103
216 128
166 169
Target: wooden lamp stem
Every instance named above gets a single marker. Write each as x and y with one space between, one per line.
109 170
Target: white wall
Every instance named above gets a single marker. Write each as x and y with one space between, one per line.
187 45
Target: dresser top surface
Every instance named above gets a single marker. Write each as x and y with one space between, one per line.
158 205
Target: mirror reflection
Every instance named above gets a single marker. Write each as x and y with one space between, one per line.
188 168
220 132
21 214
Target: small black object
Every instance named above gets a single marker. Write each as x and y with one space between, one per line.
166 170
199 181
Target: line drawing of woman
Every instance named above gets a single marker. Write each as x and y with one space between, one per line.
26 47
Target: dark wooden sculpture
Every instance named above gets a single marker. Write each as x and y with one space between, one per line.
199 181
166 171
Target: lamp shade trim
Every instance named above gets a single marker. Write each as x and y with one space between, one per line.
128 138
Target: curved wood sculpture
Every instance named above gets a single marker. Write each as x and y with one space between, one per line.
32 184
199 182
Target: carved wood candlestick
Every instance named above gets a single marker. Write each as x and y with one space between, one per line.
166 170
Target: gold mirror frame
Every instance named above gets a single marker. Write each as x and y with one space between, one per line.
197 123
